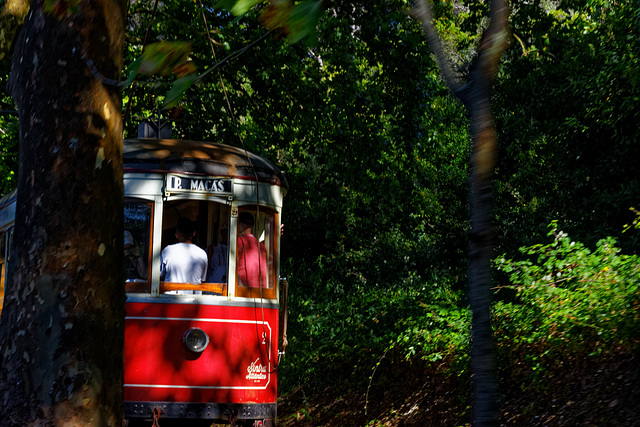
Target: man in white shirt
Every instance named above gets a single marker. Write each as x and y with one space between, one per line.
184 262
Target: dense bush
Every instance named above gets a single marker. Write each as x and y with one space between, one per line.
569 299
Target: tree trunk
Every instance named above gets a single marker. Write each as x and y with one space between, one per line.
483 360
476 96
61 332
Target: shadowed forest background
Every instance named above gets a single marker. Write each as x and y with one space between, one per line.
376 153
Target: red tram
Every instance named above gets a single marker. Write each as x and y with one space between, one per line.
208 351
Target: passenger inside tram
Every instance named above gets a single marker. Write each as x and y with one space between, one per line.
251 255
219 257
137 225
135 265
184 262
4 255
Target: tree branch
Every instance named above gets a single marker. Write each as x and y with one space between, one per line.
495 40
423 13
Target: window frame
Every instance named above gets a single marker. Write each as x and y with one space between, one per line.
204 288
260 292
143 286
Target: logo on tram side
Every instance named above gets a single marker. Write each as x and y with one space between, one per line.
256 371
190 184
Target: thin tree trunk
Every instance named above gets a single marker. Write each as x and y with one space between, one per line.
483 361
476 96
61 332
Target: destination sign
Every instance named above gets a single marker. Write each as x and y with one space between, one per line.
190 184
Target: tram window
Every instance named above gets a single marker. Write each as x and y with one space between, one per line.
137 241
256 251
6 241
211 221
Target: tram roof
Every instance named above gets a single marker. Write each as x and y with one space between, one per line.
9 198
198 158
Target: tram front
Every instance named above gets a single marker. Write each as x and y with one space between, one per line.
202 240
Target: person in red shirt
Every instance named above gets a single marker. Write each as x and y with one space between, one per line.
251 255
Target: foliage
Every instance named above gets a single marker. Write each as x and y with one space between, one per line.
328 335
563 301
8 115
566 109
635 224
8 137
570 299
8 153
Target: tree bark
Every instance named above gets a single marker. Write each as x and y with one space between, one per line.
61 332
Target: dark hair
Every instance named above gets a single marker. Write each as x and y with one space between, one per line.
185 226
246 218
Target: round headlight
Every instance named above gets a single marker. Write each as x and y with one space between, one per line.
196 340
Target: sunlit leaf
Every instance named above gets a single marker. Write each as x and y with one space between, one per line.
304 20
242 6
178 89
162 57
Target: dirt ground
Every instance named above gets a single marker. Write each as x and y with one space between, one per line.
603 391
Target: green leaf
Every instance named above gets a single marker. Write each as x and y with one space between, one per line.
162 57
242 6
304 21
133 69
178 89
